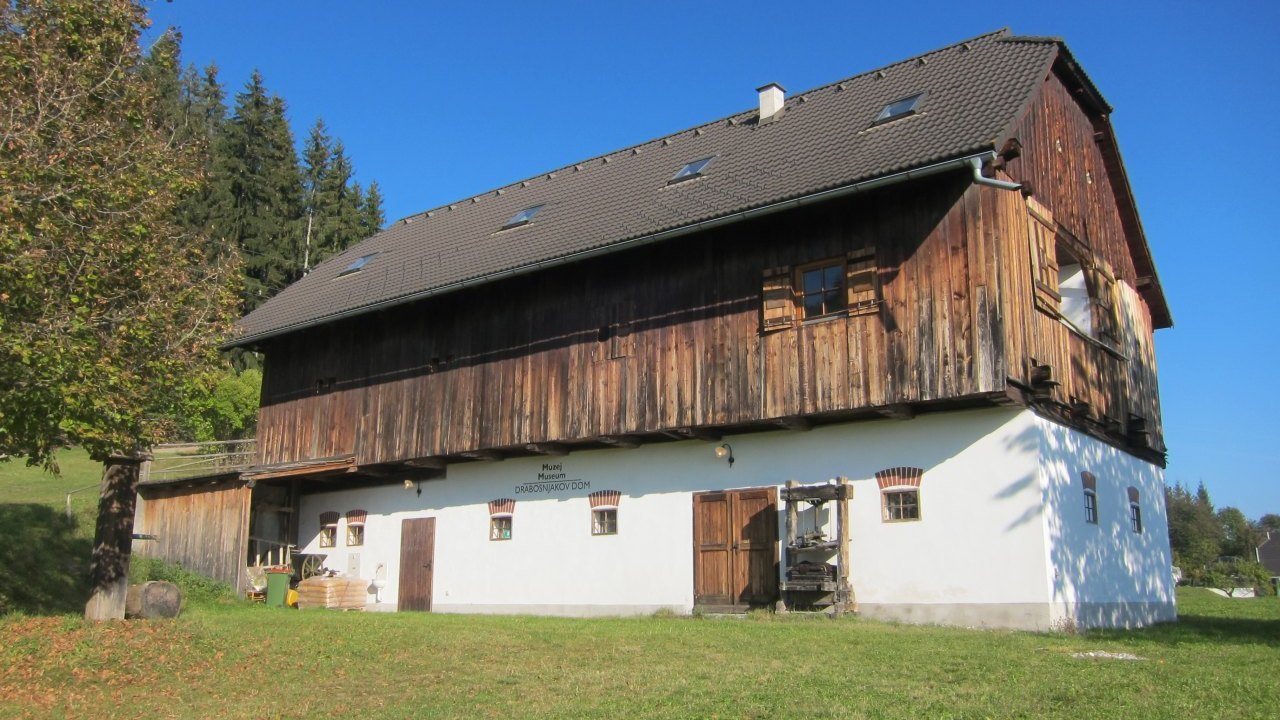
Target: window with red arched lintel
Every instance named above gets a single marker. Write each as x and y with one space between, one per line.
900 493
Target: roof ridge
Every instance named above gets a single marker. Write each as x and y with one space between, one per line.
1003 33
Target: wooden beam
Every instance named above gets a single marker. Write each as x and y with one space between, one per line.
432 463
623 441
547 449
690 433
898 412
796 422
486 455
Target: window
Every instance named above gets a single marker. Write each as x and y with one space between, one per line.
357 264
1135 511
849 285
1090 497
604 511
901 505
500 512
355 527
500 527
821 289
604 521
899 108
524 217
1069 282
328 529
1075 307
900 493
690 170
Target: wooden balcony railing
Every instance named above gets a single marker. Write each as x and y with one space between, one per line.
176 461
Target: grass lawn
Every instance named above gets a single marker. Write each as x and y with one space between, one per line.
229 660
224 659
44 562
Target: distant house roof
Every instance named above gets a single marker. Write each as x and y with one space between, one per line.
1269 553
971 94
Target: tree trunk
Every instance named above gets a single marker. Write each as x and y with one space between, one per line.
109 569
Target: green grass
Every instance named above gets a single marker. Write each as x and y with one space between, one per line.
226 659
231 660
44 561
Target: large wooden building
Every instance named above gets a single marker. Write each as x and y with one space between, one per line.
586 392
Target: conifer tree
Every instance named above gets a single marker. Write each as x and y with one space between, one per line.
371 217
256 170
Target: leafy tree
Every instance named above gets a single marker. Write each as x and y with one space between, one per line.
1195 535
1229 575
223 405
1269 522
1240 537
106 303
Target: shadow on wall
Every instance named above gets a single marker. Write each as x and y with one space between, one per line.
44 563
1105 566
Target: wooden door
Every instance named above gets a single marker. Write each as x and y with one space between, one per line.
735 536
417 560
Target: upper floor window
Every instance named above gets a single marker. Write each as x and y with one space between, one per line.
1069 281
1090 497
848 285
821 289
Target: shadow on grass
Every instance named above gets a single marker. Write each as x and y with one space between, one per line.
1203 629
44 563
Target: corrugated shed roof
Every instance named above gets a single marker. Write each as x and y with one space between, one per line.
825 138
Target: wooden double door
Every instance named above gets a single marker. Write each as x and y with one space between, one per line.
735 548
417 563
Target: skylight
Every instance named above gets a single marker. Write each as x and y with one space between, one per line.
899 108
356 264
524 217
690 170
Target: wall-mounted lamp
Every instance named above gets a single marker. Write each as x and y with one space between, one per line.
409 485
725 451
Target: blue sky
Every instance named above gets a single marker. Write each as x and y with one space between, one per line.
440 102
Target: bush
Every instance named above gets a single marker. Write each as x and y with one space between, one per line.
195 588
1227 574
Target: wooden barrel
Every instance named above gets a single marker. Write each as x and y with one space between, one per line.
153 599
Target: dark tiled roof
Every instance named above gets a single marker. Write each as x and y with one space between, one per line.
825 138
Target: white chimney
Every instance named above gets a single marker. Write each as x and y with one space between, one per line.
771 98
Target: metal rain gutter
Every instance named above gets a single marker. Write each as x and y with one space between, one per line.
970 161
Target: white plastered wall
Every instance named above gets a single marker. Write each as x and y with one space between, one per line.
1103 574
977 557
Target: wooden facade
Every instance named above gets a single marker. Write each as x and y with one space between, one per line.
679 338
205 529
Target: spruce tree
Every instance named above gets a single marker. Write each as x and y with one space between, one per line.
371 217
256 171
315 168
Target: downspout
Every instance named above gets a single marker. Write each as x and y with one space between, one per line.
975 162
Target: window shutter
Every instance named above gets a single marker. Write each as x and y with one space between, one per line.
1044 258
1104 306
778 300
862 281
